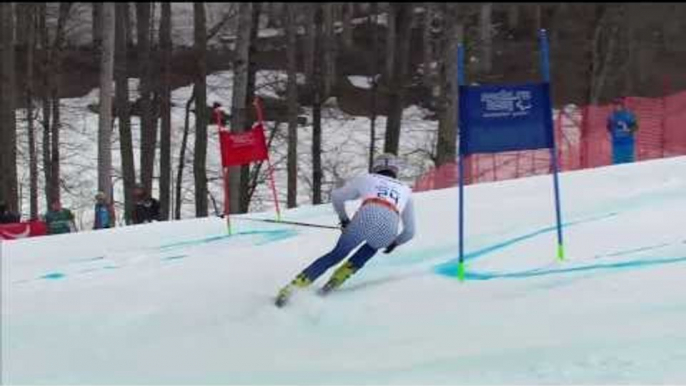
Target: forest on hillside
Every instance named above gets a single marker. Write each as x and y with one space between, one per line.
406 52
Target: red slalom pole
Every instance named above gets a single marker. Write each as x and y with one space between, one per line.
225 172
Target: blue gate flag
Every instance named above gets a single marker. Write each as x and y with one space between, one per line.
497 118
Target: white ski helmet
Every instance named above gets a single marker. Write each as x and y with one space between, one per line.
386 162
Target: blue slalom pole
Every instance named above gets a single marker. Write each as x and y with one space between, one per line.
545 68
461 82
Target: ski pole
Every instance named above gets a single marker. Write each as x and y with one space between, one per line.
290 223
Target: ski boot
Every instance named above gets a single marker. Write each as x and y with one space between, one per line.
342 274
300 281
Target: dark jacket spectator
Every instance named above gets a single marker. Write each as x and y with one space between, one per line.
104 212
7 216
147 209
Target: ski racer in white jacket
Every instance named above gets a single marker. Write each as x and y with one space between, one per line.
385 202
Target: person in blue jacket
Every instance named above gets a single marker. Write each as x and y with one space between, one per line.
104 212
622 126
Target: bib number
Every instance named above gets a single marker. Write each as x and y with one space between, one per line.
388 194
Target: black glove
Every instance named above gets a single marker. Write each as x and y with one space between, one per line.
344 223
390 248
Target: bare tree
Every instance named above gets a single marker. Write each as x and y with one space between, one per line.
309 37
200 85
375 81
122 28
347 25
8 133
317 84
447 128
165 110
485 27
403 15
329 48
97 25
45 100
148 122
105 116
390 38
241 67
292 97
26 37
426 43
55 60
182 156
250 95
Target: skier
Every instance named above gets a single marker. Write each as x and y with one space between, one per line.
104 212
385 200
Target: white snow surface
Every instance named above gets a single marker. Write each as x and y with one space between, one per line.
181 302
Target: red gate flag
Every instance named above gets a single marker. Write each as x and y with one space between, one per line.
21 230
243 148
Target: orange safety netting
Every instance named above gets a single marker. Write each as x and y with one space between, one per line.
582 142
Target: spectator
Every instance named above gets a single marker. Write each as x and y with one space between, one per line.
104 212
622 126
6 215
147 209
59 220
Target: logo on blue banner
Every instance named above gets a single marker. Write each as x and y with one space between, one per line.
497 118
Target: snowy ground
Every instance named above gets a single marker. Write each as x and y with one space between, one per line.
181 302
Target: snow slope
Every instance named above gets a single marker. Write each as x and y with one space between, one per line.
181 302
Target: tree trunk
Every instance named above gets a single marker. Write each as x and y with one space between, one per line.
250 96
513 16
348 25
200 149
485 26
30 30
96 24
427 41
310 37
105 117
45 100
292 98
147 121
182 156
446 151
56 126
165 110
375 82
8 129
317 84
241 68
122 27
403 16
330 50
390 38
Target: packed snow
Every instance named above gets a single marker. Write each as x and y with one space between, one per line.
184 303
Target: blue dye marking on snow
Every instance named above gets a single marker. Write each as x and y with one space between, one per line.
110 267
92 259
593 267
268 236
637 250
53 276
450 267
